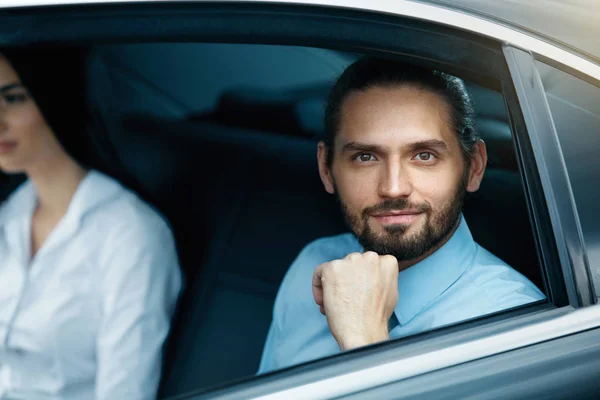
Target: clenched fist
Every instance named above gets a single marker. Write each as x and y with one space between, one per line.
357 295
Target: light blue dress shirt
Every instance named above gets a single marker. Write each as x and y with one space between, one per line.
460 281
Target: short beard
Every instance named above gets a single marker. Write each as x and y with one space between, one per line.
438 226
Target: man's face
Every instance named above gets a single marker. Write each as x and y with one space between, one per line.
398 170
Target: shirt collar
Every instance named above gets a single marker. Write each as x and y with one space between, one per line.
94 189
422 283
21 202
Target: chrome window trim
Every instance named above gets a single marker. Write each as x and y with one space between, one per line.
405 8
353 382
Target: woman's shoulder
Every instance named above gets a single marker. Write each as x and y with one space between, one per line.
119 206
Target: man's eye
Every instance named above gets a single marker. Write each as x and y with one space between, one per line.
425 156
364 157
15 98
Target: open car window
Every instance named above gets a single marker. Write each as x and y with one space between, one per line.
260 125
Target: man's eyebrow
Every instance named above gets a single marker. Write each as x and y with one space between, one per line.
10 86
358 146
435 144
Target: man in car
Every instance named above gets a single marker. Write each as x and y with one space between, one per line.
400 151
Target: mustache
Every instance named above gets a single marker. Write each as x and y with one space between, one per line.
396 205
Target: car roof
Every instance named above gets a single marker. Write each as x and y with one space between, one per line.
462 14
573 23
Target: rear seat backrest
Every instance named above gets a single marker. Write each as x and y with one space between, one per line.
265 202
244 203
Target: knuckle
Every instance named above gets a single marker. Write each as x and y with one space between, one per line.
326 269
324 266
389 261
333 267
353 256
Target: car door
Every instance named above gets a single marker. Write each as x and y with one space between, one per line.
552 344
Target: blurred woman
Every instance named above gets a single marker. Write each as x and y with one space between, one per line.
89 276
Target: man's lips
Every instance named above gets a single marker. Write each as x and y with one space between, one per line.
396 217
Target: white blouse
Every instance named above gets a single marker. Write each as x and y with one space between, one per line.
86 318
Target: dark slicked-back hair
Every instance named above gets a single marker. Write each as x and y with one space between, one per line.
372 72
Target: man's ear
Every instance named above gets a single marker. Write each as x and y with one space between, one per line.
477 168
324 170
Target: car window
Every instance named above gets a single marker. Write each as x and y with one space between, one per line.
239 161
575 108
232 168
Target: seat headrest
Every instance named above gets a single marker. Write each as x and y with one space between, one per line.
293 112
301 113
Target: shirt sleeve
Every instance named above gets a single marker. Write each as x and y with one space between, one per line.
273 344
297 322
275 347
267 362
141 281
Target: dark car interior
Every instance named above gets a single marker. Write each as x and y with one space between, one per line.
237 180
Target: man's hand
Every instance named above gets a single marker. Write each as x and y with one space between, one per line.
357 295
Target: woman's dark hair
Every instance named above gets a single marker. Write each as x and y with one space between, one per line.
371 72
55 78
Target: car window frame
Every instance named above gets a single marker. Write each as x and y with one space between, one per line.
54 25
557 369
595 83
425 344
553 173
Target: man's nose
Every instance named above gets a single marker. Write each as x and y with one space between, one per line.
394 182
